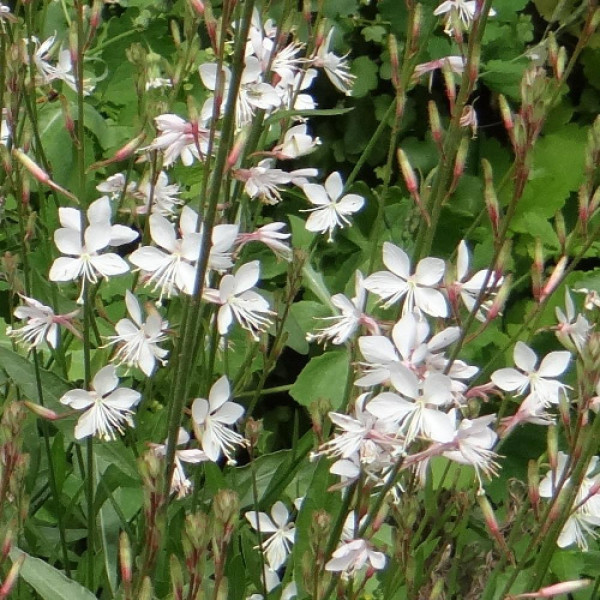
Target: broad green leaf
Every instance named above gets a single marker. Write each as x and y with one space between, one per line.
323 378
366 76
48 582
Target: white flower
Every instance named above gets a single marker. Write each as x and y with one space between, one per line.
456 64
138 341
173 267
420 415
115 185
352 556
587 502
331 208
42 324
470 289
211 421
160 197
270 235
296 142
253 93
179 138
418 288
572 331
464 9
263 181
336 67
238 301
352 316
541 380
180 484
108 407
84 260
281 533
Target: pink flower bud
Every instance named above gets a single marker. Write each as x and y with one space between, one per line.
565 587
42 411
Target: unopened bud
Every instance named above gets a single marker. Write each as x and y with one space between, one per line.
307 10
474 65
492 523
416 27
73 48
253 431
69 123
96 15
450 85
177 582
533 484
552 440
407 172
558 589
42 411
11 578
506 113
175 33
461 159
7 543
435 123
146 589
593 23
437 593
125 558
561 230
122 153
500 299
552 47
491 200
197 6
561 62
394 62
555 278
238 147
226 506
537 269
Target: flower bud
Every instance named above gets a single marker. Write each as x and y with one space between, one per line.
42 411
125 561
122 153
461 158
555 278
407 172
197 6
533 485
506 113
537 269
435 123
226 506
146 589
558 589
11 578
450 85
500 299
177 582
552 441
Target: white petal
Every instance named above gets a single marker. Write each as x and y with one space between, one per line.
133 307
246 276
316 194
105 380
462 260
65 269
554 364
396 260
431 301
219 393
430 271
162 232
334 185
524 357
509 379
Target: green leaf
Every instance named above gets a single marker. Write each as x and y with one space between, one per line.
47 581
366 76
324 377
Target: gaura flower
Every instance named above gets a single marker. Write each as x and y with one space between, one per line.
212 420
336 67
138 340
331 208
108 407
352 556
281 533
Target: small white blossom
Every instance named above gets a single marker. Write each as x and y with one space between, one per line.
296 142
541 380
108 407
573 329
352 556
463 9
336 67
162 197
331 208
212 420
418 288
270 235
138 340
281 533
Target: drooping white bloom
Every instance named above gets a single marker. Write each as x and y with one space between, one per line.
281 533
352 316
172 267
212 420
474 441
331 208
238 301
469 289
463 9
398 282
352 556
162 197
42 324
336 67
253 92
587 502
263 181
179 138
270 235
456 64
109 408
114 185
541 381
180 484
573 329
138 340
296 142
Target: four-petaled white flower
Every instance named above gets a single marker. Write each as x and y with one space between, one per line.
541 381
573 329
160 197
464 11
42 324
138 340
281 533
296 142
179 138
239 301
212 420
331 208
270 235
418 288
108 407
173 267
352 556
